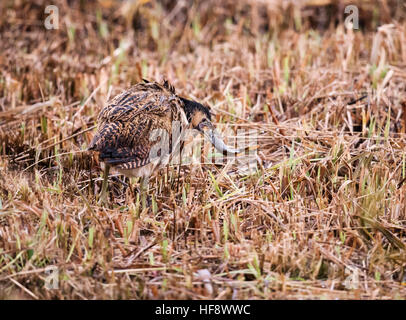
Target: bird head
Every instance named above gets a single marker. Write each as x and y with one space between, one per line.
199 117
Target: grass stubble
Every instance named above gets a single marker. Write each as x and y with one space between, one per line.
323 216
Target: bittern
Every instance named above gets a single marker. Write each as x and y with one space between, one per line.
125 127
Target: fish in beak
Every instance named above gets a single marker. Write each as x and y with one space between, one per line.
207 129
199 117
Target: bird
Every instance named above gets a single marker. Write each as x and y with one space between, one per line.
125 139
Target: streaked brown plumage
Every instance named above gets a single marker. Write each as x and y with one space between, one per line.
123 137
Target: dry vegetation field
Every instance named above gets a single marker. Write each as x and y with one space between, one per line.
322 217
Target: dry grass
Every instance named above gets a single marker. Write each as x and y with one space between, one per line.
324 216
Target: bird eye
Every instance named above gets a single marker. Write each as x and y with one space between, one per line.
204 125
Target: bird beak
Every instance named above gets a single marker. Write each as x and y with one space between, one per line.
208 130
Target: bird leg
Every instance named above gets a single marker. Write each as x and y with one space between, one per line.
103 193
144 191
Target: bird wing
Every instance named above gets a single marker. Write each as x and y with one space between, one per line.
125 126
150 97
124 145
